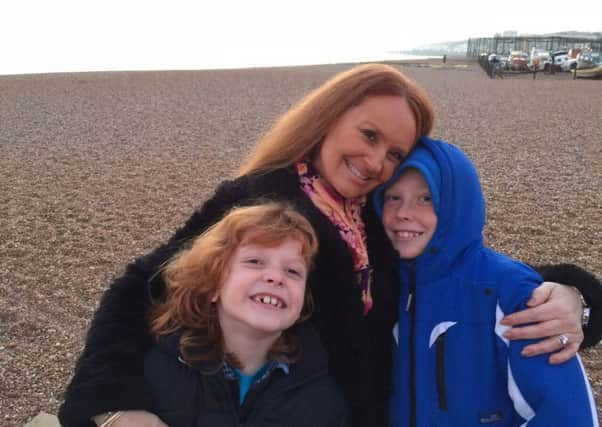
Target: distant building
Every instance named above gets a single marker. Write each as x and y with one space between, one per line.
510 33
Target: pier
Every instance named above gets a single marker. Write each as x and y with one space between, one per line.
504 45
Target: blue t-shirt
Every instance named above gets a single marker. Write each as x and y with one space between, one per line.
245 382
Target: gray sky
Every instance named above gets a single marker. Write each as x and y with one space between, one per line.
70 35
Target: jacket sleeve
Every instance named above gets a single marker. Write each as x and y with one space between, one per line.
543 394
109 374
590 288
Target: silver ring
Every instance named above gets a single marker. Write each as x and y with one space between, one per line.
564 340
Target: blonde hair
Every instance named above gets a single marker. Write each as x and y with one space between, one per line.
194 276
298 133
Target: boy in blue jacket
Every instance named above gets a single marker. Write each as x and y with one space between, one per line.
453 365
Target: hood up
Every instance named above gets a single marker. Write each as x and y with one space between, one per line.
457 199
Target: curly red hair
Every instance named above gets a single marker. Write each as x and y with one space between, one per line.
195 274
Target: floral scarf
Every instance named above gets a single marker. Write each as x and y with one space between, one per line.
345 215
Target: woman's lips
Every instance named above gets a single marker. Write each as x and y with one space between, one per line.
356 172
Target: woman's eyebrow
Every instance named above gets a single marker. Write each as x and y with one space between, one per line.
375 127
370 123
378 130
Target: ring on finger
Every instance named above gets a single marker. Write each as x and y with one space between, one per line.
564 340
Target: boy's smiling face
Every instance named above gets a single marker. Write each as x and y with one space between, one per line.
409 216
264 291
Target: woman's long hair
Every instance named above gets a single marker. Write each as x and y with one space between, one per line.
194 276
298 133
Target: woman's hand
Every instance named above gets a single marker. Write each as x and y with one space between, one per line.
133 419
556 310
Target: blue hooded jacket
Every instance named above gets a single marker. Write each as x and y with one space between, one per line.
452 366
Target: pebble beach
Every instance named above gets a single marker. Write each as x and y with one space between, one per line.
97 169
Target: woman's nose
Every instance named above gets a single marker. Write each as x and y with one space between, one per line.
376 161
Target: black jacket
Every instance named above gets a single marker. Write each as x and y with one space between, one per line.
109 374
201 396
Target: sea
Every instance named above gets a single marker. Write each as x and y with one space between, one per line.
291 58
207 61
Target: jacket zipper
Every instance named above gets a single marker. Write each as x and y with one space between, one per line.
440 372
247 410
233 392
411 308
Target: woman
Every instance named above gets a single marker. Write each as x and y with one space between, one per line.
323 156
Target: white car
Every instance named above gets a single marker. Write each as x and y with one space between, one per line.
560 57
569 64
588 60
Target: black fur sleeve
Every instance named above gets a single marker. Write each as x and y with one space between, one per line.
589 286
109 375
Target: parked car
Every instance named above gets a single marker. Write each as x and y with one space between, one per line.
518 61
559 58
589 65
574 52
588 60
569 64
503 62
539 59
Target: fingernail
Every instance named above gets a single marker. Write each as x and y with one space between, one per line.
526 352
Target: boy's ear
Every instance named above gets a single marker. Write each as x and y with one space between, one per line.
215 297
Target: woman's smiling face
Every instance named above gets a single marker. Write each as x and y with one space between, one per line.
365 145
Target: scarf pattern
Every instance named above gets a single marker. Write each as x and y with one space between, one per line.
345 215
